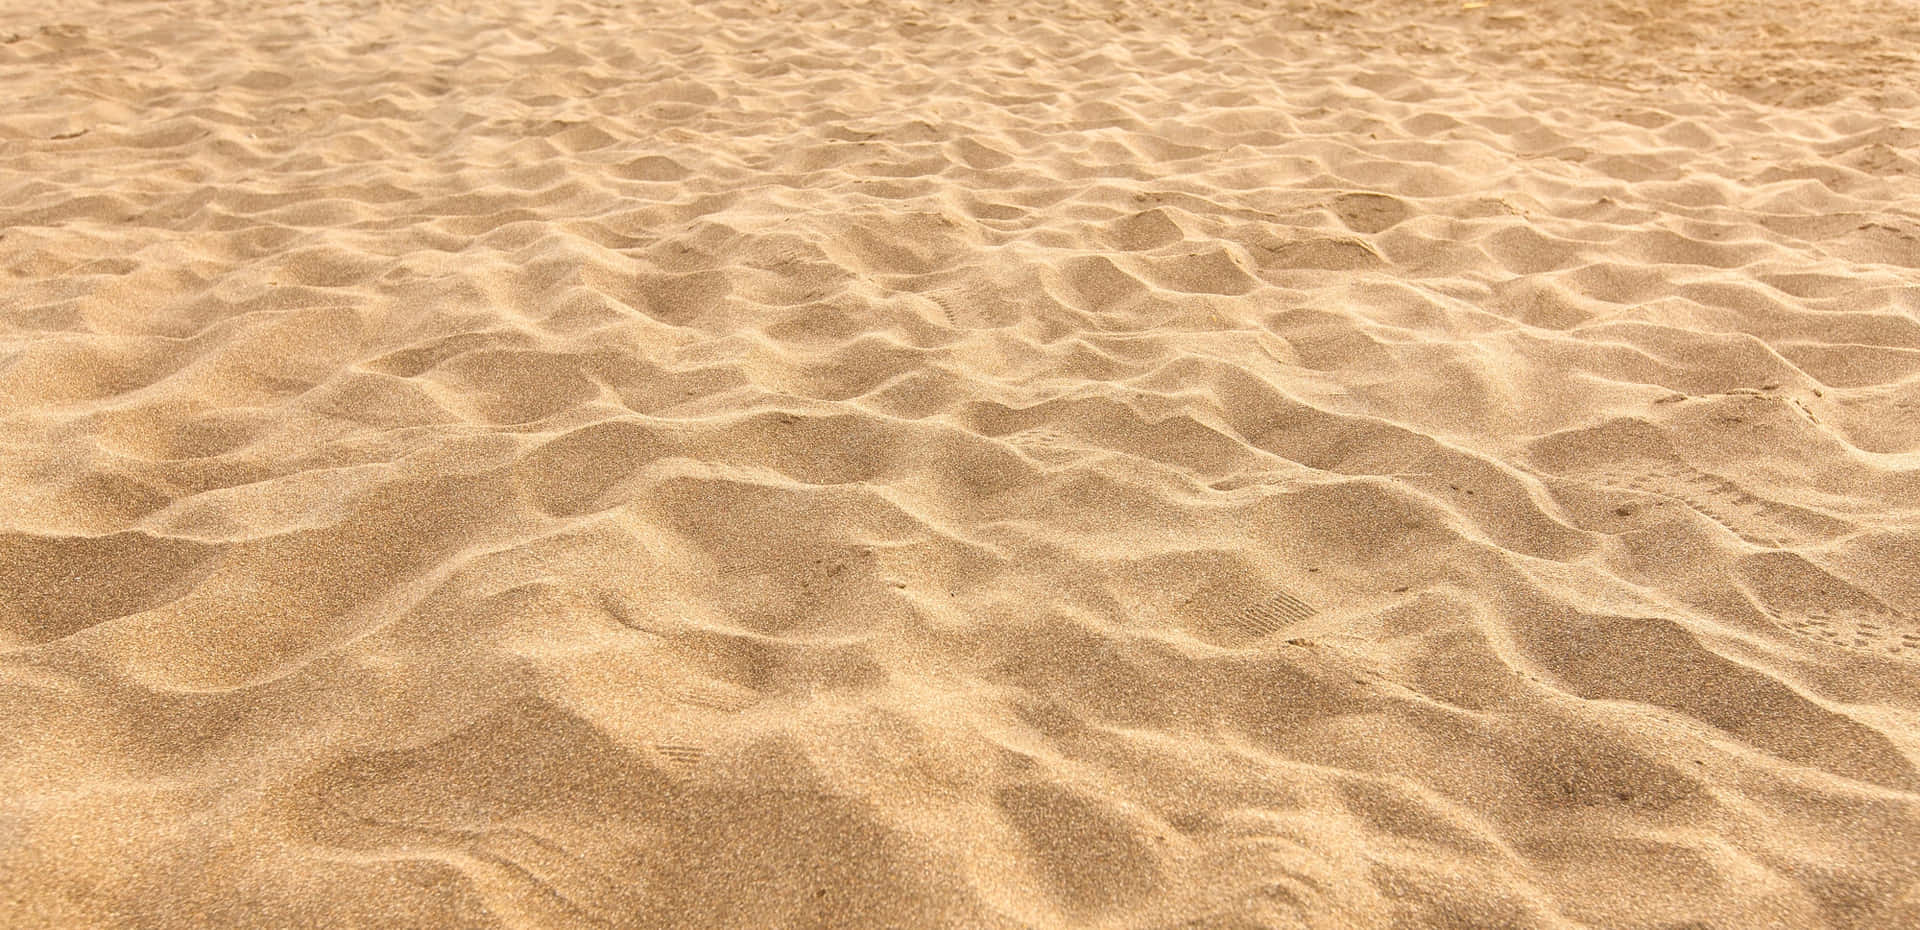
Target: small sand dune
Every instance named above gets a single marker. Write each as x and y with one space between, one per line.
1177 466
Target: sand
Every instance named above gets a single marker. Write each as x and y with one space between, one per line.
977 465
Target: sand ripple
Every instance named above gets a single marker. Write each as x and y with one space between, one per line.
815 464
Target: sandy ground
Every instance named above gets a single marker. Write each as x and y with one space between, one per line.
976 465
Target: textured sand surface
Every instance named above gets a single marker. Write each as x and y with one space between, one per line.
978 465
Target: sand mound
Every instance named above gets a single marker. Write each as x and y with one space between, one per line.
957 465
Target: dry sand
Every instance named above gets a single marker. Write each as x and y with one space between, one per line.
972 465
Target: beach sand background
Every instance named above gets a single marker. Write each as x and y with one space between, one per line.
893 465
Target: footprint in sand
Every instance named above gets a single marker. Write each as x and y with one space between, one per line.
1231 614
1046 445
1757 520
716 697
707 708
683 755
1810 601
1872 630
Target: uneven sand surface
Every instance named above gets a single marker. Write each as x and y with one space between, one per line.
978 465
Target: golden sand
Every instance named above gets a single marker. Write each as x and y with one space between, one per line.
980 465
